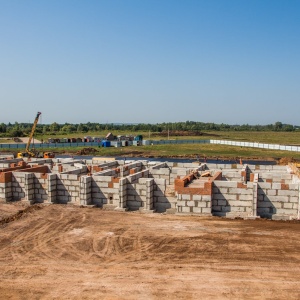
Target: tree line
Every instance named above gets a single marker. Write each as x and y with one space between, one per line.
23 129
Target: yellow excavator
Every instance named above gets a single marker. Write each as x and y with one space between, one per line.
32 152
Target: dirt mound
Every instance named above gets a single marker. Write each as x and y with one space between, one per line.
86 151
286 160
20 214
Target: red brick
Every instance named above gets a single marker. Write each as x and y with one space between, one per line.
241 185
115 180
285 186
5 177
44 176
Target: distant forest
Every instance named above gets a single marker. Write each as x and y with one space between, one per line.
23 129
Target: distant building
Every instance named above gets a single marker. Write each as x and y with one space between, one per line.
109 137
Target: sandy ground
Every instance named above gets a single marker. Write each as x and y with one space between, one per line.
68 252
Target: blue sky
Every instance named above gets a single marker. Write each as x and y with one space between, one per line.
149 61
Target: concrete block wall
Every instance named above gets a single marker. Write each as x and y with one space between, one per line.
178 171
109 172
157 165
160 173
133 178
210 166
67 166
123 193
134 166
67 188
229 175
39 161
149 194
105 190
194 204
137 194
5 191
22 186
86 190
7 163
195 199
52 192
272 190
40 182
274 177
18 186
161 200
232 197
277 199
82 170
267 168
105 166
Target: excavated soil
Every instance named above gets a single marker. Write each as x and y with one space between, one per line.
68 252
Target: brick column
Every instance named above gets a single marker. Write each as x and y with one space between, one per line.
86 190
29 187
149 194
52 181
123 193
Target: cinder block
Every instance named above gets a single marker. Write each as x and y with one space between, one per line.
294 199
196 210
206 210
186 197
201 204
288 205
216 208
222 202
288 193
186 209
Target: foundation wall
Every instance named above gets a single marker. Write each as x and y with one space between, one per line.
137 194
6 191
277 198
195 204
162 200
272 177
105 190
105 166
160 173
8 163
221 167
40 182
270 191
86 190
67 188
234 197
22 186
232 176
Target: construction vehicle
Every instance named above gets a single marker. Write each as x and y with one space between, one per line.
32 152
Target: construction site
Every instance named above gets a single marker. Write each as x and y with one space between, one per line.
139 229
120 229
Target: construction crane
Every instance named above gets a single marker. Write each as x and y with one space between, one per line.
33 153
